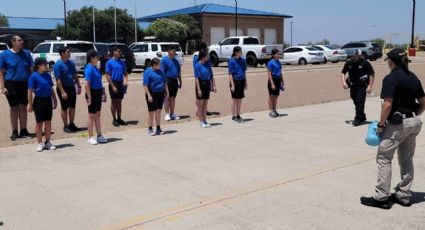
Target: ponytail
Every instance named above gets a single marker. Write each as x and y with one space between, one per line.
405 64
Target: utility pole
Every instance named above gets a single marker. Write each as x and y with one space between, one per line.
412 44
291 31
64 14
94 22
115 16
135 21
236 17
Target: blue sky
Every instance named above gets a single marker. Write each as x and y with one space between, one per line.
337 20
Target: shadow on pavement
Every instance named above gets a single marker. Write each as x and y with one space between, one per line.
168 132
247 119
113 139
184 117
214 113
283 115
132 123
216 124
417 197
62 146
350 122
1 224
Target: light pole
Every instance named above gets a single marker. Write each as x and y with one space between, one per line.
115 16
291 31
64 14
236 18
412 44
94 22
135 21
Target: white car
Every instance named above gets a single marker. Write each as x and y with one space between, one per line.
50 51
302 55
144 52
3 47
332 53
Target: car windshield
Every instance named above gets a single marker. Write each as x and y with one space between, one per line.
311 48
102 49
80 48
164 47
331 47
124 49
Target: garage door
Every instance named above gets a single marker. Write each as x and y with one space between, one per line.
255 32
270 36
217 34
232 32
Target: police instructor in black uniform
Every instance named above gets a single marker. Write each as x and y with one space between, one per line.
360 81
404 102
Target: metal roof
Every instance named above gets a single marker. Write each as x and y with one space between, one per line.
211 8
34 23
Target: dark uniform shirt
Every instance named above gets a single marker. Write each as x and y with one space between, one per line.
404 88
358 72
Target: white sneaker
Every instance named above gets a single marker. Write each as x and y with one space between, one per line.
203 125
167 117
49 146
92 141
101 140
174 117
40 147
207 124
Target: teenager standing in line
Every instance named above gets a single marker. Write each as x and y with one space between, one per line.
275 81
68 86
116 74
156 90
94 91
172 71
238 84
41 85
205 83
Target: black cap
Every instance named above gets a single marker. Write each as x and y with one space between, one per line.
40 61
396 54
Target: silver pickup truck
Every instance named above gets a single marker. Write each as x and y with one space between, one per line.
255 53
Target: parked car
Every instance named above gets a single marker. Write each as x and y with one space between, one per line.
302 55
104 52
370 50
144 52
252 50
50 51
3 47
332 53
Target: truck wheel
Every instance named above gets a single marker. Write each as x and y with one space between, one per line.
214 59
302 61
251 60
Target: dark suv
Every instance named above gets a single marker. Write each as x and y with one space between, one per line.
104 52
370 50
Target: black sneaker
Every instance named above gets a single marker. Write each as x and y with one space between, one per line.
14 135
394 199
121 122
24 134
240 120
234 119
277 114
371 202
66 129
73 127
115 123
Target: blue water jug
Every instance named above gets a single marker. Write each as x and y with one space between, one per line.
372 138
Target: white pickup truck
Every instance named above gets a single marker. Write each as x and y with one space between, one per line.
254 53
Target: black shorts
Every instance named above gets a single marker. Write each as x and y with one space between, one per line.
278 83
43 109
72 98
120 88
239 92
157 103
205 88
96 101
17 93
173 87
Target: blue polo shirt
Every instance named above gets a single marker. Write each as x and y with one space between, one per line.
41 84
154 80
275 67
170 67
65 71
237 68
93 74
196 61
203 72
116 69
16 65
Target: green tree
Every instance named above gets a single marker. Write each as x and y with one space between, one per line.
3 21
168 30
325 42
194 32
80 25
380 41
